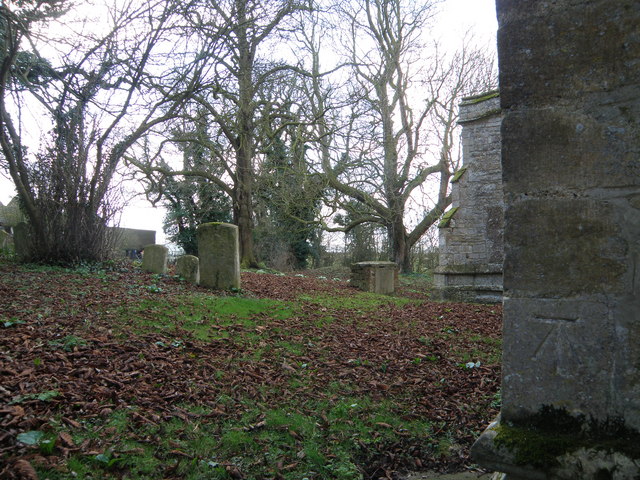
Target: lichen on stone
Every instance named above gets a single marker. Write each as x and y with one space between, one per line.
480 98
446 218
458 174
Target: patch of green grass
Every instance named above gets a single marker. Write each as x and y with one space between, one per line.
487 350
312 439
206 317
68 343
476 355
359 301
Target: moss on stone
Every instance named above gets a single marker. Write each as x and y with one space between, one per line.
533 447
483 97
446 218
458 174
543 438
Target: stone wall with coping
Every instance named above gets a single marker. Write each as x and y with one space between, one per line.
471 246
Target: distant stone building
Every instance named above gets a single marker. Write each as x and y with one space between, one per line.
127 242
131 241
471 246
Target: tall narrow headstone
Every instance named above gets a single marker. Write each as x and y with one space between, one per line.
154 259
6 242
471 249
219 254
570 90
21 240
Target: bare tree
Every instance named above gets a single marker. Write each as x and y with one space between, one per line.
103 89
390 128
236 74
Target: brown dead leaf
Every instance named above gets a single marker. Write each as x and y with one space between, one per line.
385 425
66 440
24 471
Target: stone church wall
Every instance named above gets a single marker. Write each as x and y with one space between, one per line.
471 248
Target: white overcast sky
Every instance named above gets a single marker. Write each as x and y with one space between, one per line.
457 17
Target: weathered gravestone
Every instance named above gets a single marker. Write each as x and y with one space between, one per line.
219 254
376 277
570 90
188 267
21 240
470 237
154 259
6 241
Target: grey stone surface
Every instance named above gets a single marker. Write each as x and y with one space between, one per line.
188 267
219 254
569 73
376 277
471 247
126 241
6 241
21 240
154 259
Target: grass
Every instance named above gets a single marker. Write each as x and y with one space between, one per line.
359 302
204 317
296 440
293 389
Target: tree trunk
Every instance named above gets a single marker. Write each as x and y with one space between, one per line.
245 141
400 247
243 209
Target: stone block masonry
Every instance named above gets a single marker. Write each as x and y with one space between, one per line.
471 247
219 254
376 277
570 90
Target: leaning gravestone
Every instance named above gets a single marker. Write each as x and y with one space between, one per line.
188 267
569 80
219 254
154 259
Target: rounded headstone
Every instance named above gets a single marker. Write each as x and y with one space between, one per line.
188 267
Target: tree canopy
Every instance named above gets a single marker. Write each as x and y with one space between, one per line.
285 117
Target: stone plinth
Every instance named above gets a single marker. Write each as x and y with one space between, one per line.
569 75
376 277
470 239
188 267
469 283
154 259
219 254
